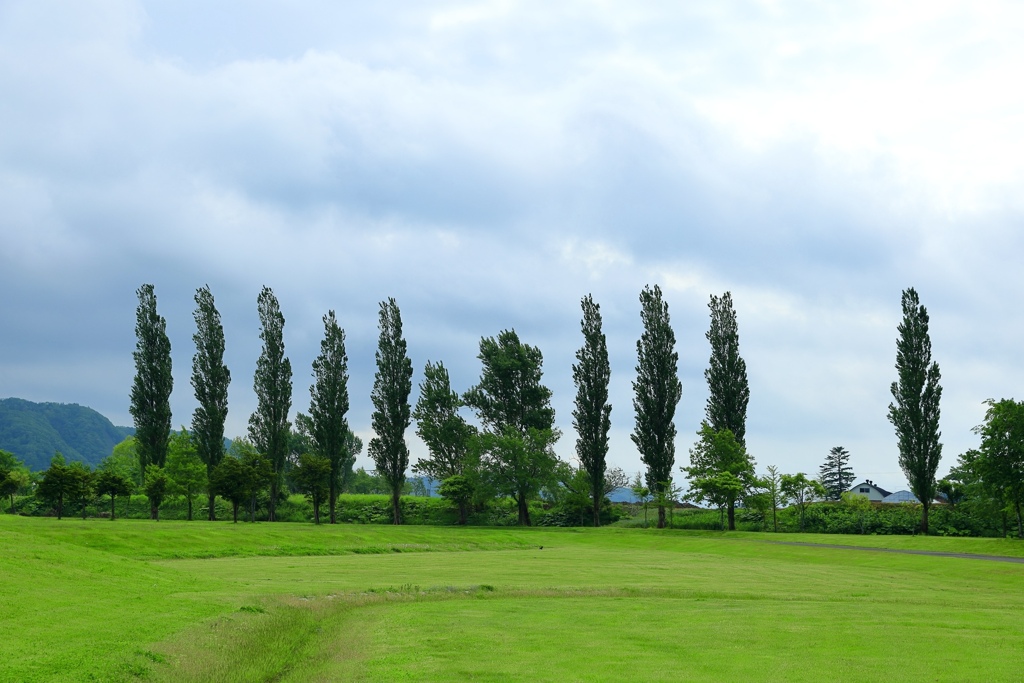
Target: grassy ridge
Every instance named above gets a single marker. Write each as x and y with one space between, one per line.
115 601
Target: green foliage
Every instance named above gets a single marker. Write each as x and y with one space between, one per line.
657 391
515 410
112 483
313 477
391 411
836 475
210 380
458 489
57 484
999 464
327 425
269 428
720 470
445 432
726 375
34 431
155 487
124 459
151 389
592 415
915 408
186 472
802 491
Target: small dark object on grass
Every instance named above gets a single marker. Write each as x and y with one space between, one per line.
542 547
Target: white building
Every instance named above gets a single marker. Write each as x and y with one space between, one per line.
867 488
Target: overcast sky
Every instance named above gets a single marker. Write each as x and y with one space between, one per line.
490 163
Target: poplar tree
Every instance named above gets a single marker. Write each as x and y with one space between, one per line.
657 392
915 408
328 407
151 390
514 408
269 428
210 380
391 387
445 432
726 374
835 474
592 416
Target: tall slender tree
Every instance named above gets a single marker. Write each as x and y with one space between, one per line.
151 390
445 432
269 428
835 474
915 408
391 387
514 408
657 392
328 407
210 380
726 375
592 416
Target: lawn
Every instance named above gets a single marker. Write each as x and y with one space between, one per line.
138 600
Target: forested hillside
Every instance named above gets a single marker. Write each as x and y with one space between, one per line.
33 431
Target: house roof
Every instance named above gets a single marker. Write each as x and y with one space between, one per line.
868 482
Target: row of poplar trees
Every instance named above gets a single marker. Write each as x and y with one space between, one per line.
510 453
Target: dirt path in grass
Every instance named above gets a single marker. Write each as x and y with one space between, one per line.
904 551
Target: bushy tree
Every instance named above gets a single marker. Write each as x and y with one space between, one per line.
458 488
313 477
716 454
155 487
210 380
186 472
327 425
124 459
241 476
269 428
835 474
391 411
728 392
802 491
151 389
13 476
657 391
445 433
57 483
83 485
110 482
592 415
514 408
914 411
1000 461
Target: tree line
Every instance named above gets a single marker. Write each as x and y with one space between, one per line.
508 452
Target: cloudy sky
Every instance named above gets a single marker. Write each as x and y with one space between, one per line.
490 163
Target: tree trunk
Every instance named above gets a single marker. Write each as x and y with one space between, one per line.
112 499
60 507
661 516
190 508
396 507
272 505
252 509
732 515
333 499
1020 525
154 511
524 511
597 511
316 510
775 519
213 508
234 506
462 513
924 518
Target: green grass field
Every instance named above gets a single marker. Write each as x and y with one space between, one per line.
177 601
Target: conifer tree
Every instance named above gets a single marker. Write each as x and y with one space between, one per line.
657 391
592 416
915 408
391 387
726 375
210 380
328 407
269 428
835 474
151 389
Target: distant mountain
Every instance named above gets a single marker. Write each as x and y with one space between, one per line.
33 431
